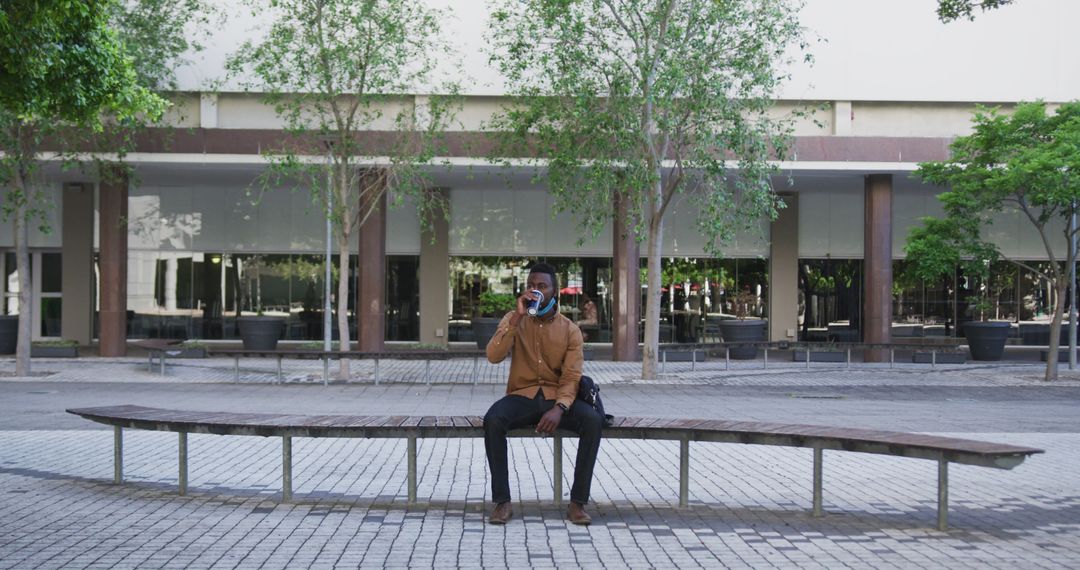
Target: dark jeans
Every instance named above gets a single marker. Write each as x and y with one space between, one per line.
514 412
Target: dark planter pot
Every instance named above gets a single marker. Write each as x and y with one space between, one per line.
260 333
54 351
743 331
986 340
819 356
9 333
483 329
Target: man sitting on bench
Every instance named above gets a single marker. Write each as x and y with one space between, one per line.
542 389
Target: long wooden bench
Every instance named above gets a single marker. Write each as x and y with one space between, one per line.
944 450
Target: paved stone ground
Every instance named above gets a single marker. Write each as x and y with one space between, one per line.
749 504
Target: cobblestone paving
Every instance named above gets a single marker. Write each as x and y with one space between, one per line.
478 371
749 504
749 507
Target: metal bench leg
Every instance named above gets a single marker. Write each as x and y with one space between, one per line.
557 472
286 468
943 494
684 472
818 456
183 464
412 469
118 455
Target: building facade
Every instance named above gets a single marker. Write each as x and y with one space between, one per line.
190 242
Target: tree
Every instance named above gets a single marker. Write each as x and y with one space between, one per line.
648 100
333 69
949 10
1029 162
60 66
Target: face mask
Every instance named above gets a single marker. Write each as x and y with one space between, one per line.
547 308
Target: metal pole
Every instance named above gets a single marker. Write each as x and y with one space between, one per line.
933 358
557 471
848 365
892 356
818 459
412 469
183 463
943 494
376 370
327 329
236 369
118 455
684 472
286 468
663 362
727 358
162 358
693 359
325 369
279 379
808 357
766 363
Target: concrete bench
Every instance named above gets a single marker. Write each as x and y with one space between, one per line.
326 356
944 450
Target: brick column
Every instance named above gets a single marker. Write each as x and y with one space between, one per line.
877 266
371 286
625 287
112 260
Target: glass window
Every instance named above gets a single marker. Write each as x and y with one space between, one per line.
50 316
830 304
51 264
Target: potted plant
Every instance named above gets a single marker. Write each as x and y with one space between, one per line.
741 329
492 308
937 249
54 349
260 332
9 333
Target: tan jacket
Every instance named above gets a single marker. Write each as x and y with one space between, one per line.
546 355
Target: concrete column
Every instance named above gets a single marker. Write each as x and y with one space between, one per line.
371 286
877 265
784 272
625 287
113 254
77 263
435 277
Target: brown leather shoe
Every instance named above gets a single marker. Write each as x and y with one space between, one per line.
501 514
577 515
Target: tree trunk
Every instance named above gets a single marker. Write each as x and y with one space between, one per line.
343 276
22 264
1055 330
652 302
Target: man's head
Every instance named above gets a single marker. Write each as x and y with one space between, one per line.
542 277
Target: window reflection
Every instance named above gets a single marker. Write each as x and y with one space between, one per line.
830 300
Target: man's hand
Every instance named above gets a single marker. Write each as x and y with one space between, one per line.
550 421
523 301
